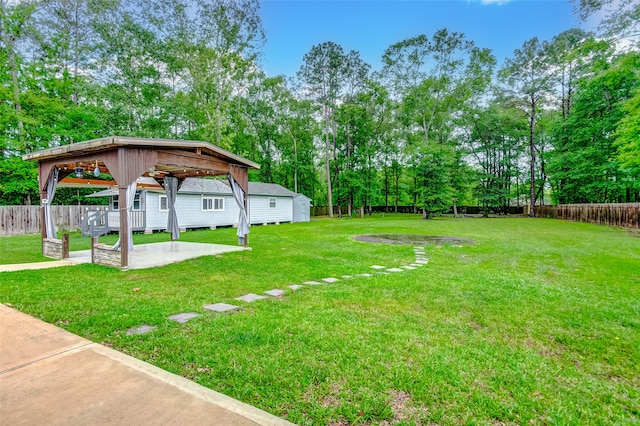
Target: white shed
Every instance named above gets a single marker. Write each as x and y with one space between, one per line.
301 208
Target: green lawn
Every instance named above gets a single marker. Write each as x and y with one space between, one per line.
538 322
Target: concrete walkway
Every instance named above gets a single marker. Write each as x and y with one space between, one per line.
48 375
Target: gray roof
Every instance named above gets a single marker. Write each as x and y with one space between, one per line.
259 188
217 186
204 186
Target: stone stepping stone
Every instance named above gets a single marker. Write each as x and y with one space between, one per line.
409 267
378 267
251 297
423 262
420 253
416 265
276 292
347 277
143 329
330 280
363 275
221 307
183 317
395 270
312 283
295 287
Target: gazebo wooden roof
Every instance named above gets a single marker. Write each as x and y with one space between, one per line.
127 158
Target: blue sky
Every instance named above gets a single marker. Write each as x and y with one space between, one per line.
293 26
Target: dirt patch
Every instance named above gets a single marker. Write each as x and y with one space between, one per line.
404 410
420 239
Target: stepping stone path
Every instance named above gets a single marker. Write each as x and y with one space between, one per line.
143 329
221 307
251 297
182 318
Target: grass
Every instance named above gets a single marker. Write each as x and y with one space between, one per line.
538 322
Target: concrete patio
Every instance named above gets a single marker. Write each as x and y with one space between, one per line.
143 255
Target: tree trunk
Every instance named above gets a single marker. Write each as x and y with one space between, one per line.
328 163
13 69
532 153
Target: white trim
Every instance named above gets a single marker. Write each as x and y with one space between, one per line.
137 197
166 203
215 204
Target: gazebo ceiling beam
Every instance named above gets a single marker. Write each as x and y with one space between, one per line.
187 160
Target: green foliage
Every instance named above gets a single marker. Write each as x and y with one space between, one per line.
435 193
18 181
588 164
628 136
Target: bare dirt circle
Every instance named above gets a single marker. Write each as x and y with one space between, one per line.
438 240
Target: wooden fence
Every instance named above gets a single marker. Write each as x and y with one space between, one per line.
323 210
19 220
626 215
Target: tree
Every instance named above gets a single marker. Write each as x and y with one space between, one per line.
595 174
327 74
621 17
628 137
14 26
434 79
211 52
494 139
528 75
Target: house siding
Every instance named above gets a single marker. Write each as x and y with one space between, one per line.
190 213
260 212
156 220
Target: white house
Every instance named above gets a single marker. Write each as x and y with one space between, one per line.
207 203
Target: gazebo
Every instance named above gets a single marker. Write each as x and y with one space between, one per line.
126 159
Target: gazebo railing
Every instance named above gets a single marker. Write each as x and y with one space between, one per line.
103 221
138 220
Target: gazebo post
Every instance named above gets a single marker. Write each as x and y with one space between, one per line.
43 220
124 235
246 199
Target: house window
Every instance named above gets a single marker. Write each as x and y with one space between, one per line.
272 203
212 204
115 202
164 203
